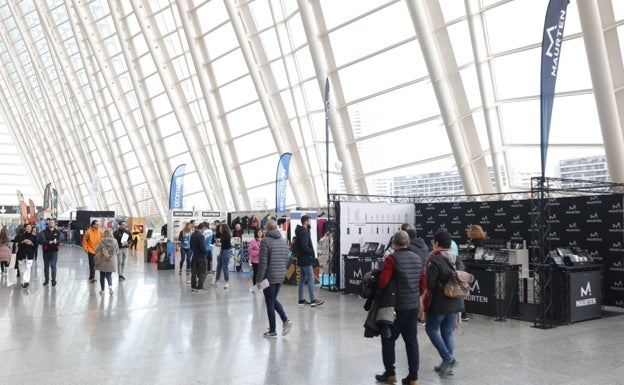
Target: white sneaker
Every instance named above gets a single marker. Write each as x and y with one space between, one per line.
215 283
226 286
101 292
110 291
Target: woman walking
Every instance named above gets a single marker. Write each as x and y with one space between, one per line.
5 250
443 313
223 262
106 259
26 245
254 255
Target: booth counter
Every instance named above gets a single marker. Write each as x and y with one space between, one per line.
355 267
495 291
577 292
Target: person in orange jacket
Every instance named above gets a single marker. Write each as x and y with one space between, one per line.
89 242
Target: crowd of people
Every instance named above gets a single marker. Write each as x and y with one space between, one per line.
412 276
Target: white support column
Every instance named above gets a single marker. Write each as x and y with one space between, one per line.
604 94
451 97
105 65
77 104
161 173
270 99
215 193
181 109
491 112
340 123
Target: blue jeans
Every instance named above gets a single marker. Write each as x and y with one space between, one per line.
223 262
439 328
406 325
273 305
306 276
185 254
109 279
49 264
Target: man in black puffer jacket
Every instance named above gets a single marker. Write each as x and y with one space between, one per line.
405 268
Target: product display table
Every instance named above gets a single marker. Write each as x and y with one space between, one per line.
495 290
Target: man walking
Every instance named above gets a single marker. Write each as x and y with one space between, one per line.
199 264
305 261
122 235
89 243
405 268
50 239
272 267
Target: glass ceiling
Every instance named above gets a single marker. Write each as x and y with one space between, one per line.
122 92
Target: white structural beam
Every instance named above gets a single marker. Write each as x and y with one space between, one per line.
215 192
156 171
340 123
76 97
438 54
485 73
602 81
175 94
270 99
119 178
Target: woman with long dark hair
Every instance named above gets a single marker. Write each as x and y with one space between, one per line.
225 242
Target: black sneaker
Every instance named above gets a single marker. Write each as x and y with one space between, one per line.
303 302
25 285
318 302
386 378
122 278
465 317
270 335
54 283
45 283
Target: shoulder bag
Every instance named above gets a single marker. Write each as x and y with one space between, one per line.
458 285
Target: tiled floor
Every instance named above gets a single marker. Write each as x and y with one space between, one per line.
153 330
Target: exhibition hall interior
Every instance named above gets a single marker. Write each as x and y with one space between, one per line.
149 117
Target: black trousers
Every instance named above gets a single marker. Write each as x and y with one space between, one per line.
198 271
91 265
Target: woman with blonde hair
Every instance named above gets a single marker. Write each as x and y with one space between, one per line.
185 247
106 259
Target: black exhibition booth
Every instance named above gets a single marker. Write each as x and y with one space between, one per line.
585 219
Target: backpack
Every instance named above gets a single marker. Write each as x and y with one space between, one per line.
294 247
368 285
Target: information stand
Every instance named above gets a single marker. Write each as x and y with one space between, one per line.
577 293
355 267
495 290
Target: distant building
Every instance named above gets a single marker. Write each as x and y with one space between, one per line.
592 168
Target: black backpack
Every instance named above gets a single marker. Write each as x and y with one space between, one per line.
368 285
294 247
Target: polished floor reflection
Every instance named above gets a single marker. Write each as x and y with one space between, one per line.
153 330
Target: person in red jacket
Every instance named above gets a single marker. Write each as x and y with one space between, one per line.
405 268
